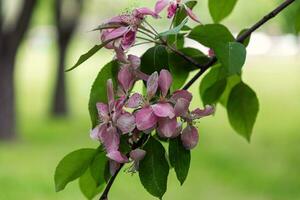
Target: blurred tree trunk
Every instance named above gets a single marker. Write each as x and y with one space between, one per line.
65 25
10 40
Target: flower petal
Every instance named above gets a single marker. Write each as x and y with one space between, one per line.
152 85
137 155
142 12
167 128
110 139
164 81
117 156
190 137
160 5
181 107
126 78
172 10
134 101
181 94
145 119
94 133
113 34
126 123
110 93
198 113
191 14
128 39
135 61
163 110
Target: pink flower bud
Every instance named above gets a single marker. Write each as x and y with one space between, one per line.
152 85
190 137
164 81
126 78
137 155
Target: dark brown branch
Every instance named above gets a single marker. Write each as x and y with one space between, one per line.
140 143
203 69
241 38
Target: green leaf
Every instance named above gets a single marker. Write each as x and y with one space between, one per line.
232 56
247 40
231 82
72 167
211 35
242 109
88 186
213 85
154 59
179 158
154 168
220 9
297 24
175 30
89 54
181 14
180 68
176 40
98 91
97 168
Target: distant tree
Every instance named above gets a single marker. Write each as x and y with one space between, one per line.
10 40
67 14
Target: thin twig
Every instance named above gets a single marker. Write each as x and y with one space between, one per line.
241 38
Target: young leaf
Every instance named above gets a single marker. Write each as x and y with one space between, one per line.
98 91
154 168
242 109
181 14
175 30
180 68
211 35
220 9
247 40
154 59
232 56
89 54
179 158
213 85
72 167
88 186
97 168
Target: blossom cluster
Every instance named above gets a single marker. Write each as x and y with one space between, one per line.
134 114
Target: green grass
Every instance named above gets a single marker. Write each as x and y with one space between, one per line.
224 166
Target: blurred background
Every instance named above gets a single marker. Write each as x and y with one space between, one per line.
43 111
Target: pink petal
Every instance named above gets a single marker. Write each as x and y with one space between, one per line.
181 107
126 78
115 33
198 113
110 139
117 156
137 155
116 19
164 81
145 119
167 128
211 53
102 110
163 110
152 85
190 137
141 75
120 54
160 5
172 10
142 12
94 133
128 39
134 101
181 94
135 61
191 14
126 123
110 93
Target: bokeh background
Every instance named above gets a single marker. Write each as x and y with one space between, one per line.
224 166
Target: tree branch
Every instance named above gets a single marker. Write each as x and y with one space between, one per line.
241 38
203 69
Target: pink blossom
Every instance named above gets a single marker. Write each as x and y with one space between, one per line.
172 6
137 155
190 137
